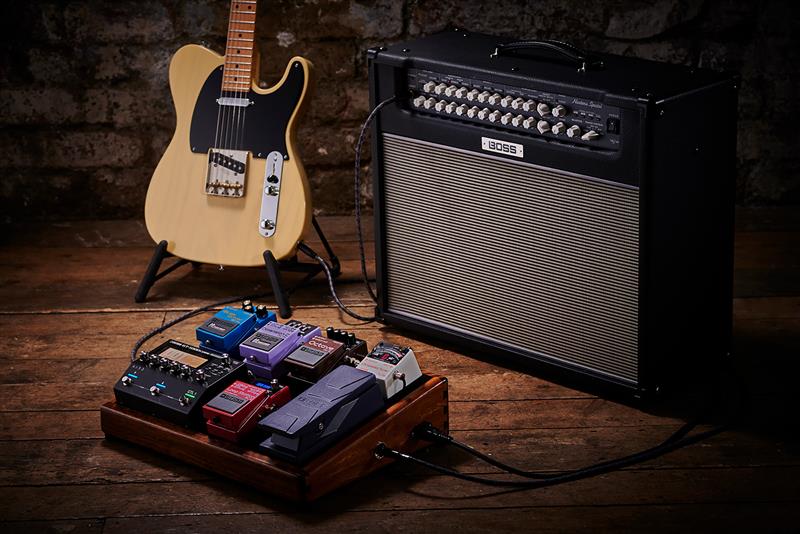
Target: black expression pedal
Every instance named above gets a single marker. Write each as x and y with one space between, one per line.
174 380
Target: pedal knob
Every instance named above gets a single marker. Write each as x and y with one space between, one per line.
559 128
529 105
126 380
154 391
543 126
199 375
543 109
591 135
574 131
560 111
183 401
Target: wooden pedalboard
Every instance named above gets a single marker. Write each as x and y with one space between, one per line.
345 461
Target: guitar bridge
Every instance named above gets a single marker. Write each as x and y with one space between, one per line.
226 174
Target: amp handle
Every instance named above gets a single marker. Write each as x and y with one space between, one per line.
581 58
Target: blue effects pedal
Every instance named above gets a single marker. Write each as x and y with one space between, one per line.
230 326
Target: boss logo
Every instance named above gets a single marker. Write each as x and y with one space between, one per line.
502 147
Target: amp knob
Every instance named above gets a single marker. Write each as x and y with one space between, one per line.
483 97
451 107
494 116
429 103
543 109
559 128
482 114
559 111
528 123
574 131
461 92
419 101
517 103
543 126
428 87
517 121
529 105
506 101
472 95
495 99
450 91
440 105
439 89
473 112
591 135
460 110
506 119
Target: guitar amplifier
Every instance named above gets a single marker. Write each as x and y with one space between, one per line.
571 212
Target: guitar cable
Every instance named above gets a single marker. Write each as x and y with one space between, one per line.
679 439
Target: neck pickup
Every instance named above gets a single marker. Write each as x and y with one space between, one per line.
235 102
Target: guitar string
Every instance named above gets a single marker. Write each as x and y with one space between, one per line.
225 111
229 113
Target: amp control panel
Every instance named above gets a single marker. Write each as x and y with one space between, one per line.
550 116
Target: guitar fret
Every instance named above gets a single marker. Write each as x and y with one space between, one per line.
237 31
243 22
241 47
238 70
244 12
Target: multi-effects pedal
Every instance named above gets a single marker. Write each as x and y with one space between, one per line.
174 380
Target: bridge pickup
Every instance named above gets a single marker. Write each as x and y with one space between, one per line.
227 170
235 102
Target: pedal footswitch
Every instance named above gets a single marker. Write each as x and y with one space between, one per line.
265 350
321 415
234 413
174 380
230 326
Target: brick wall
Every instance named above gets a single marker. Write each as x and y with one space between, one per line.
86 113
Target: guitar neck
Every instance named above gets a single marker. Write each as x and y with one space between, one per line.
240 48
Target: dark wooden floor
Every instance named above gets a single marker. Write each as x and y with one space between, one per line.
67 322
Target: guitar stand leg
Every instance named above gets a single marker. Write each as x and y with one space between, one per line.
151 274
274 273
274 268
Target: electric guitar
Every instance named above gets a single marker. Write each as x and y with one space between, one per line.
230 184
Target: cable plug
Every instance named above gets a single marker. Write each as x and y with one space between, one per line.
428 432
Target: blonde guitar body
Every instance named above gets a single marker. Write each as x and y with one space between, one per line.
225 230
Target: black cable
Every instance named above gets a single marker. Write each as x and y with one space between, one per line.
327 270
578 474
357 186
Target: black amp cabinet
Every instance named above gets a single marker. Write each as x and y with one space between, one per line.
567 211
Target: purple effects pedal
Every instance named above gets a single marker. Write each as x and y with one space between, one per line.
265 350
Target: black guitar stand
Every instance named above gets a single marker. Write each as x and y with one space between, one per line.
274 269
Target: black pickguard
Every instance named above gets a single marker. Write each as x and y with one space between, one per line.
264 122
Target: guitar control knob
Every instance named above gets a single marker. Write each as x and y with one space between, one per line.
495 99
154 391
529 105
591 135
460 110
560 111
440 105
472 94
429 103
472 112
428 87
439 89
543 109
419 101
451 107
559 128
484 96
517 121
461 92
506 101
126 380
528 123
450 91
574 131
506 119
494 116
482 114
543 126
517 103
